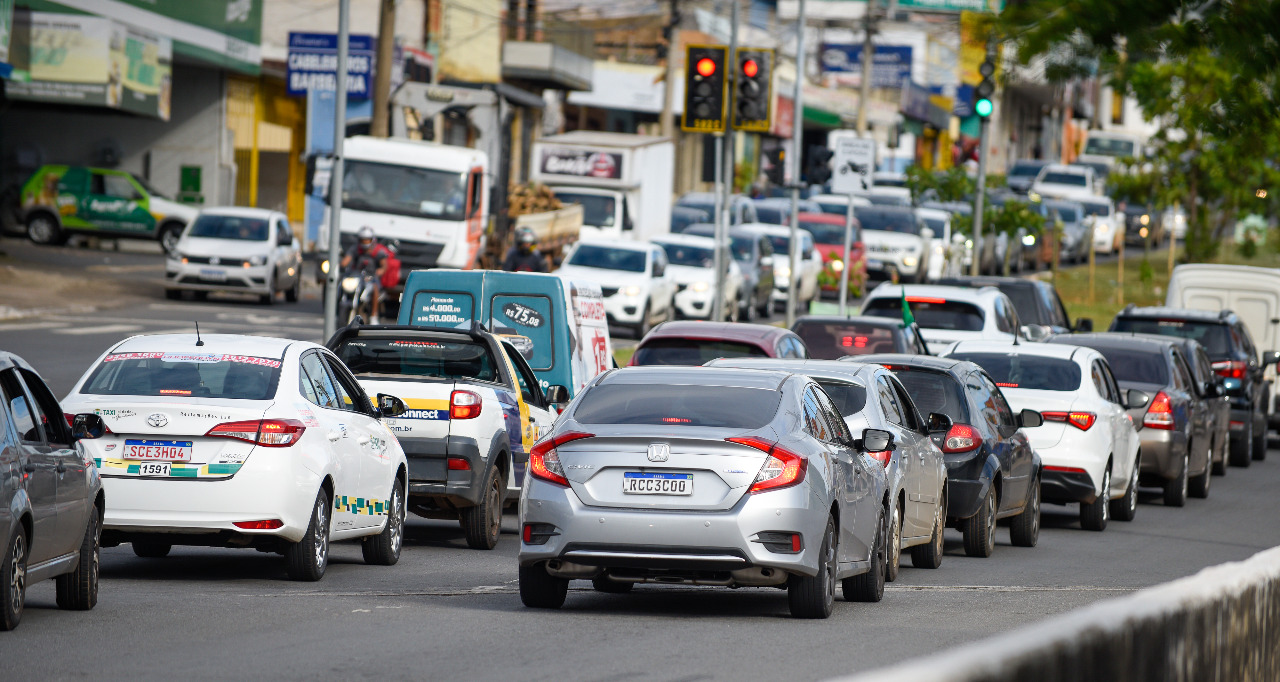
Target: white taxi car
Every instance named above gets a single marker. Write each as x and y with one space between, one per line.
242 441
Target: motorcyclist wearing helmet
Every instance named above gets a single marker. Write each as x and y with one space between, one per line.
368 254
524 256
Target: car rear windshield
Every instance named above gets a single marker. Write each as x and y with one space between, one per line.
849 398
1024 169
1026 371
688 255
1024 301
1216 338
1064 179
930 314
666 405
592 256
185 375
828 233
229 227
834 340
1140 366
675 351
1097 209
419 358
887 221
774 215
934 392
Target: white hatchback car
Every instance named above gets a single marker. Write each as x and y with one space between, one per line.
242 441
1088 444
638 291
948 314
236 250
1061 181
691 262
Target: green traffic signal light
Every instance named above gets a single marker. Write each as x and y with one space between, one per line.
983 107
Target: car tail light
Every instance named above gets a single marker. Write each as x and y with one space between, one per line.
1065 470
272 433
781 469
544 462
853 341
926 299
1160 414
267 524
537 533
961 438
1080 420
464 405
883 457
1230 369
459 464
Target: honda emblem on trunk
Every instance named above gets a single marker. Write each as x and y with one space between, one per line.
658 452
157 421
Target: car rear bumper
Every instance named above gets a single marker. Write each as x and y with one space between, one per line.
1162 453
1062 487
433 484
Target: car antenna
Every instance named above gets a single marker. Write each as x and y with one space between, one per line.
199 341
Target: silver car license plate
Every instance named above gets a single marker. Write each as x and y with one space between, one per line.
213 275
652 483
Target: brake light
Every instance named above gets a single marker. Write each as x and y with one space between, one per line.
1160 414
1230 369
1080 420
1065 470
882 457
544 462
1005 384
464 405
961 438
854 341
458 464
781 469
268 524
925 299
272 433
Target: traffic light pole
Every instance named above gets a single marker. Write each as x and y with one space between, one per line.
336 174
797 140
980 197
721 231
722 227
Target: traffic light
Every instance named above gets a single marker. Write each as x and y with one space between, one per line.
753 76
819 171
704 89
777 171
982 104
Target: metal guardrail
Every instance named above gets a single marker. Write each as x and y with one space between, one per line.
1221 624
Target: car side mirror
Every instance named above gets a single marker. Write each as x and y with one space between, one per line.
1270 357
391 406
939 423
1212 389
1084 324
557 394
284 240
1029 419
1133 399
87 427
1036 332
876 440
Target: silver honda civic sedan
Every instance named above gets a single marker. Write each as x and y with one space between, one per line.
705 476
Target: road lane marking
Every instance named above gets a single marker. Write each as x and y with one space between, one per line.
669 589
104 329
22 326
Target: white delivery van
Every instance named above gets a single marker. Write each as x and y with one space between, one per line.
624 182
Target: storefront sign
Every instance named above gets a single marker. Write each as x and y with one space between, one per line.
583 164
952 5
919 103
313 64
890 68
94 61
784 117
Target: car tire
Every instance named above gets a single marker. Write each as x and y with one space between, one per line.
980 529
815 596
1094 515
749 313
1125 508
1240 450
483 522
602 584
151 550
869 586
173 294
200 295
306 559
541 590
1198 486
43 229
1259 445
1220 467
168 236
1024 529
930 555
269 297
642 327
762 307
1176 488
383 549
13 580
78 590
893 557
293 293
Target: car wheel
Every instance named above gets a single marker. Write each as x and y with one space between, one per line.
980 529
1024 529
44 230
869 586
814 596
1259 445
930 555
1094 516
151 550
762 307
1241 449
78 590
383 549
541 590
173 294
749 313
293 293
307 558
642 327
602 583
269 297
200 295
1125 508
13 581
893 559
168 237
483 522
1175 489
1198 486
733 312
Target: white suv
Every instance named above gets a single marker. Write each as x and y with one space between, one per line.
638 291
948 314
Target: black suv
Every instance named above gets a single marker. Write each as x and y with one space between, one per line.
1227 342
1037 302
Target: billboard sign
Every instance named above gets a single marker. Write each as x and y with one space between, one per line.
890 67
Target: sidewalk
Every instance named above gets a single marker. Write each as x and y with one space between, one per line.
39 280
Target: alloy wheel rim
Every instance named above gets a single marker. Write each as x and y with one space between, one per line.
895 538
18 577
42 230
830 561
396 520
97 547
991 523
1132 496
1035 511
1186 473
495 511
322 533
169 241
1106 490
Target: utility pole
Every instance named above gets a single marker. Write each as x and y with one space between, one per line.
797 140
669 81
726 208
335 177
868 59
382 77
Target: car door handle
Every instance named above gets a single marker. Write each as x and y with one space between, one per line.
334 436
62 467
363 440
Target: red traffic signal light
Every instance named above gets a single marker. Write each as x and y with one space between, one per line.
750 68
706 67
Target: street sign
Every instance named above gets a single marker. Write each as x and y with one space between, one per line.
313 64
855 160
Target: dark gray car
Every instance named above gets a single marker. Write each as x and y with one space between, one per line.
51 499
754 253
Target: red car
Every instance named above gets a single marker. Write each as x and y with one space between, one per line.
695 343
828 237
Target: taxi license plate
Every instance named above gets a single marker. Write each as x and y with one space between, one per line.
213 275
647 483
158 450
153 469
873 264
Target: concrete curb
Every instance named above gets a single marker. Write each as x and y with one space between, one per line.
1221 624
